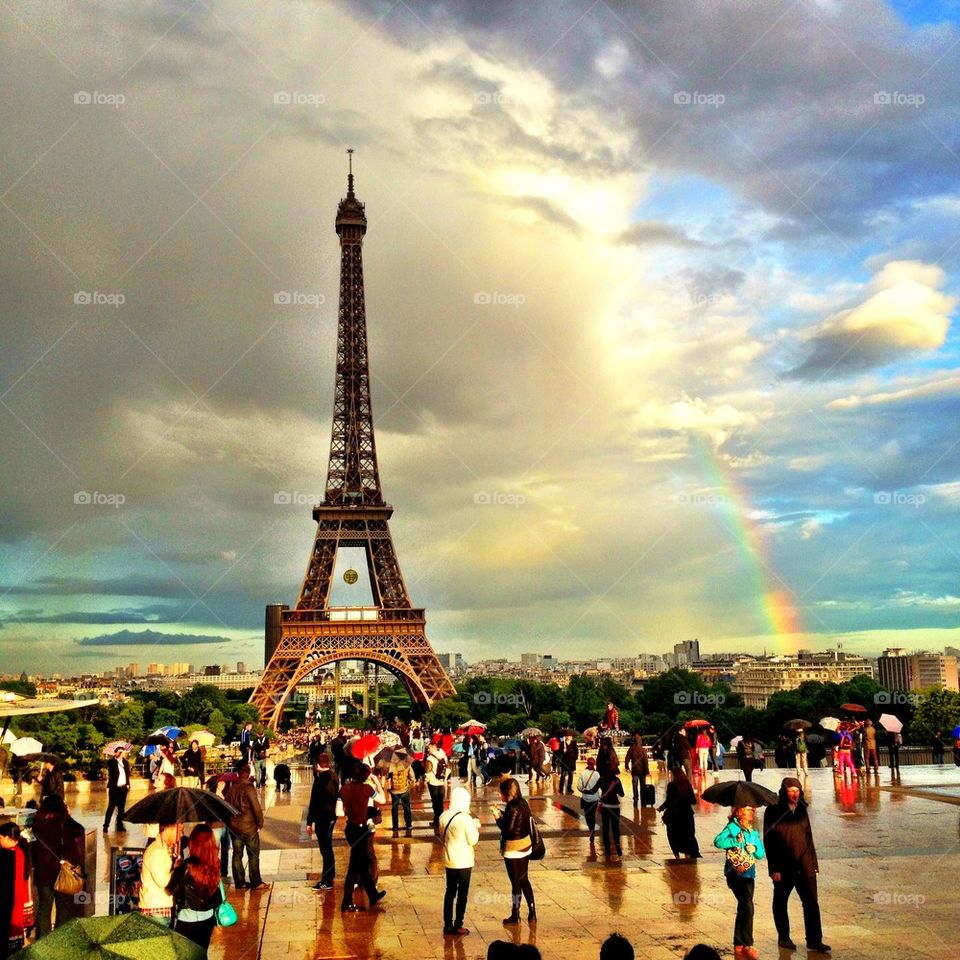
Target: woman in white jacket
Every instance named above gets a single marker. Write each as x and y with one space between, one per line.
461 833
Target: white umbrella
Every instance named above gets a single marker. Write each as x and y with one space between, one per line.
389 739
24 745
204 738
734 742
830 723
8 737
890 723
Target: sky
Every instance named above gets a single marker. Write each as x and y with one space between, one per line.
660 302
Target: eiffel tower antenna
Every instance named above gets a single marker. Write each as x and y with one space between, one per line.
353 514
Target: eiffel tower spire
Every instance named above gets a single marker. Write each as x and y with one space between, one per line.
352 514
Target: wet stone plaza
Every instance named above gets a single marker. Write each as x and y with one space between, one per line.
889 856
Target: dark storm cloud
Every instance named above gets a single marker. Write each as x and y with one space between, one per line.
80 616
126 586
128 638
648 233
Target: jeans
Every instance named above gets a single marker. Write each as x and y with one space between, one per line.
436 798
259 772
458 886
224 851
117 800
519 883
638 782
590 814
252 845
324 832
399 798
358 870
610 818
46 898
806 887
199 931
742 888
566 775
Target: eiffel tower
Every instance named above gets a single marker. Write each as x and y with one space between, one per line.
353 514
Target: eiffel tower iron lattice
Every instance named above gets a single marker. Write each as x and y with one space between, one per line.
352 514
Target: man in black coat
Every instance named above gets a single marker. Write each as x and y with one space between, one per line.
792 863
321 817
118 786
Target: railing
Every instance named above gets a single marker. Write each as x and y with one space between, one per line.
336 614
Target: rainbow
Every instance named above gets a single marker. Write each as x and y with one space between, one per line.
775 604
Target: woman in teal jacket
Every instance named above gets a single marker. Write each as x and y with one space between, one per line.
744 846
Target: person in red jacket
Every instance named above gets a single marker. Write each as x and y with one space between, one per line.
611 719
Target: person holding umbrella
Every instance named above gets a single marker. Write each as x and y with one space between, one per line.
51 780
792 863
743 846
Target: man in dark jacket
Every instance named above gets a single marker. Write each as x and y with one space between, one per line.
245 828
118 786
51 781
569 756
638 765
321 817
538 754
792 862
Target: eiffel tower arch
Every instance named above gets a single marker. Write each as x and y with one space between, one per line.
353 514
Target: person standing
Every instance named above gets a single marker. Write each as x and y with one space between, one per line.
357 795
159 858
399 777
16 901
611 790
677 810
260 747
792 864
637 765
51 781
246 736
611 719
118 787
682 755
322 817
589 788
195 888
938 747
436 772
417 747
894 750
461 833
745 758
568 762
516 845
744 847
193 762
245 827
538 754
870 748
703 750
800 754
607 759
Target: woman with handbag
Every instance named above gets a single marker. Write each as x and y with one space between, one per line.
677 810
16 902
200 902
744 846
516 845
588 786
58 863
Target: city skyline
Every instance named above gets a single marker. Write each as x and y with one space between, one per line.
661 333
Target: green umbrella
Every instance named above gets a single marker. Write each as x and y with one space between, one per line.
131 936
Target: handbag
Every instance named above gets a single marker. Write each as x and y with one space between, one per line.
538 851
740 861
225 915
70 879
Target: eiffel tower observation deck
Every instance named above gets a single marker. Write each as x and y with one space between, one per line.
387 631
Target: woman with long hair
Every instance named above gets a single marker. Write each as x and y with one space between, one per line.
16 902
607 760
195 887
192 762
677 809
744 846
357 794
588 786
57 837
516 845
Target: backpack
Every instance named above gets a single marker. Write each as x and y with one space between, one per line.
441 768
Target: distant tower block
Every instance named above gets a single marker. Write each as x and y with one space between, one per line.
352 514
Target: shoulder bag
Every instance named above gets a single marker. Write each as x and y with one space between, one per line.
70 879
539 851
225 915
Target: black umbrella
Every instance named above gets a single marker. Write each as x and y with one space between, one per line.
180 805
815 738
44 758
740 793
798 724
158 740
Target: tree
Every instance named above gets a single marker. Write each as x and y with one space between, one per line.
21 687
936 710
128 723
584 702
448 713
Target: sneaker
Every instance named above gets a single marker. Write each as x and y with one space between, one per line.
323 886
